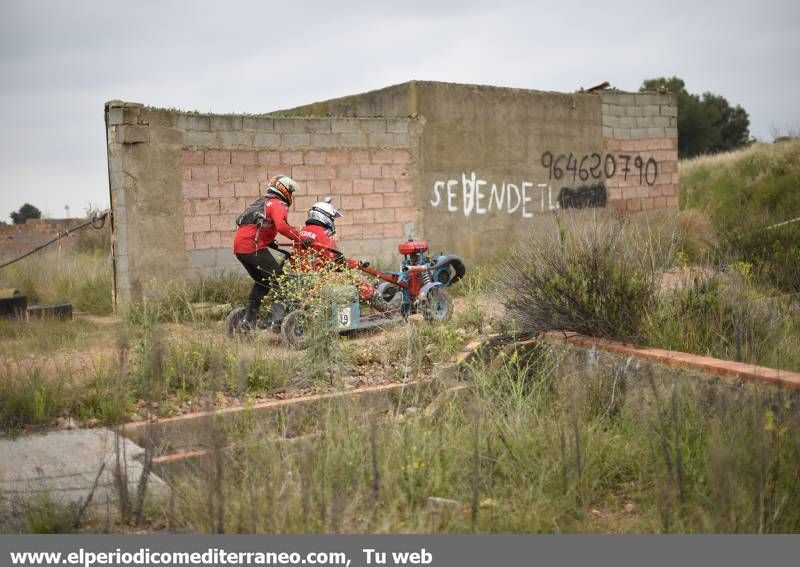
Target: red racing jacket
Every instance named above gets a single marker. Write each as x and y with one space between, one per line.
315 255
250 238
322 253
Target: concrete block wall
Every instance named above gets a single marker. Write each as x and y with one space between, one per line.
178 180
640 135
498 163
469 168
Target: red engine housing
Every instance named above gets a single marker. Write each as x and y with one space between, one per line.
412 247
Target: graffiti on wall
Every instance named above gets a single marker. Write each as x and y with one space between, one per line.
472 195
583 197
594 166
580 178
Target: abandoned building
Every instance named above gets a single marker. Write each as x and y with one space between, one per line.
467 168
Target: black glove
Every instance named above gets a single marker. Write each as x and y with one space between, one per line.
307 242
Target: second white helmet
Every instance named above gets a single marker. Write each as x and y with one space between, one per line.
325 214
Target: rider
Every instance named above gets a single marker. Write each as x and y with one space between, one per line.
258 225
317 234
317 249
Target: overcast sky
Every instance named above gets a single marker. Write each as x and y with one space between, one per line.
61 60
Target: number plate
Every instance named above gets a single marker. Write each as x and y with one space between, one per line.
345 317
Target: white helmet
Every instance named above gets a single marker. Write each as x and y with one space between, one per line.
324 213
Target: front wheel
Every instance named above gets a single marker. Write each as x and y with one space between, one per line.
293 329
437 306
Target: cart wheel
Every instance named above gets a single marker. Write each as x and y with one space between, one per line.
233 322
293 329
438 306
388 291
273 317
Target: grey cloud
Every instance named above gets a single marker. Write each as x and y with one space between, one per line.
59 61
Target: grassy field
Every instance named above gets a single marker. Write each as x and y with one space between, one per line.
526 449
748 196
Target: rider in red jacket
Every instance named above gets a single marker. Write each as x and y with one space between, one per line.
317 246
317 249
258 227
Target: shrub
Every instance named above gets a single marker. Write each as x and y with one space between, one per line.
598 280
47 516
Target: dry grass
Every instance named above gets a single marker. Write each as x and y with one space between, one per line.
537 446
691 165
83 279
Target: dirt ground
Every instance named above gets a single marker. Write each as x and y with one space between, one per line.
96 345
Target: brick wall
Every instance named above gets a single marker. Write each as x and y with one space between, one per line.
17 239
178 180
367 165
640 132
372 188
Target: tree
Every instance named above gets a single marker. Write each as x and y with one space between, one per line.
707 123
25 212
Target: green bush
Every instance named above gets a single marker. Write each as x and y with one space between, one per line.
36 395
47 516
597 279
28 397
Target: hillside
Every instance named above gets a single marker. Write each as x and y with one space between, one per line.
745 194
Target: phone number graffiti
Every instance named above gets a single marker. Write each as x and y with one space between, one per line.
593 166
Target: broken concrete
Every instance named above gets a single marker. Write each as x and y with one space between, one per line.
69 468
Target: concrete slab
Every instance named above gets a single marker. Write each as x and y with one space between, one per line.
63 467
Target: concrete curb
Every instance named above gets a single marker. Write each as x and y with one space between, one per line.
190 432
725 369
193 446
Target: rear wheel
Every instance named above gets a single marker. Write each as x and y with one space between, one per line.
293 329
437 306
